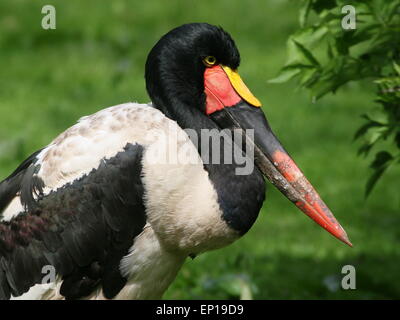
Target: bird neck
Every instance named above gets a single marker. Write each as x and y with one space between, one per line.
240 196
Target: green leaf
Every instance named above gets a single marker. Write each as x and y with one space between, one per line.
364 150
304 12
327 83
382 161
393 10
396 67
364 128
285 75
320 5
311 35
309 77
305 53
397 139
377 115
374 134
330 53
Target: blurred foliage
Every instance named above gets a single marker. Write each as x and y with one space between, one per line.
234 286
324 56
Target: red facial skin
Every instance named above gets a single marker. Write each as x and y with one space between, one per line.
219 90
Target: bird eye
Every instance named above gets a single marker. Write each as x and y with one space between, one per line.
209 61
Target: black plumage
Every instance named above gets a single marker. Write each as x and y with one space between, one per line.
10 186
82 229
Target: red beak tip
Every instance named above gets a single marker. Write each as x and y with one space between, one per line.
346 240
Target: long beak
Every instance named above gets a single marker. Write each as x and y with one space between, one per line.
231 105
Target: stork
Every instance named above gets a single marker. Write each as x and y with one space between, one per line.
114 217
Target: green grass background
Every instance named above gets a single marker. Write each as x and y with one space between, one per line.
95 58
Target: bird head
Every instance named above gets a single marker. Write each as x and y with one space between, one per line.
192 73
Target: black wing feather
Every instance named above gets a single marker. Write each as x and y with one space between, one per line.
10 186
82 229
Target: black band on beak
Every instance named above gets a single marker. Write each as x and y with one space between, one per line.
277 166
